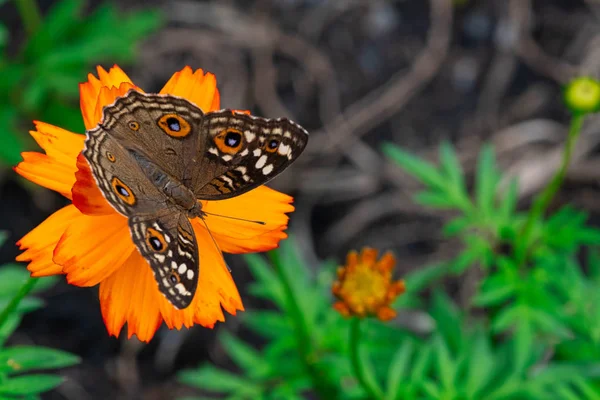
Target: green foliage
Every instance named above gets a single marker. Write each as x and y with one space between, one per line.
41 80
16 362
531 329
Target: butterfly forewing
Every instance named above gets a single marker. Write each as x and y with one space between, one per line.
242 152
162 128
169 245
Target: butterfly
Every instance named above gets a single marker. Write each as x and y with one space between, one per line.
153 156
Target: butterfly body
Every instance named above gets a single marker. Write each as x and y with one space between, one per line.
154 156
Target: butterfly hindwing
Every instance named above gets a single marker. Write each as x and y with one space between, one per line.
242 152
169 245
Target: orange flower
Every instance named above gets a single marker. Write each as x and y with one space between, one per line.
90 243
365 286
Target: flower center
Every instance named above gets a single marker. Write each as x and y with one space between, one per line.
365 287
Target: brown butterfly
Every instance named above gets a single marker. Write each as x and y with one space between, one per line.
154 156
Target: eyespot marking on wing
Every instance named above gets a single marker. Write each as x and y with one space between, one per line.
156 240
174 125
229 141
122 191
134 125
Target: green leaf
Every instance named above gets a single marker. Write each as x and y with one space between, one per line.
486 180
12 277
508 317
24 358
451 166
267 285
447 318
399 369
437 199
453 170
457 226
420 279
29 384
422 363
28 304
419 169
492 295
509 201
245 356
62 17
522 346
219 381
481 365
270 324
11 142
445 364
10 325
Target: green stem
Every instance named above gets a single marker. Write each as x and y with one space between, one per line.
542 201
14 303
303 336
361 367
30 14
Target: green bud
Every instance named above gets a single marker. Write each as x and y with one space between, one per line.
582 96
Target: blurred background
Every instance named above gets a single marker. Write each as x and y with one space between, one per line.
355 73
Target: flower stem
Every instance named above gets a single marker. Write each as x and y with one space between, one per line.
14 303
361 368
303 335
542 202
30 14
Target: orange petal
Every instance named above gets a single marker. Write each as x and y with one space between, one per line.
107 96
86 195
216 289
261 204
386 314
342 308
90 90
368 256
56 169
39 244
41 169
58 143
130 295
386 262
197 87
91 248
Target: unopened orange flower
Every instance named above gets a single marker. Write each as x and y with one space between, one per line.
365 286
90 243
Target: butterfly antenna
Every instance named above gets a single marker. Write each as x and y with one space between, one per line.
216 245
237 219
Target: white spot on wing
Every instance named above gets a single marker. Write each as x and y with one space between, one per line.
261 161
249 136
283 149
182 268
268 169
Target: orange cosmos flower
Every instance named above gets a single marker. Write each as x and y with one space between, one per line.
365 286
90 243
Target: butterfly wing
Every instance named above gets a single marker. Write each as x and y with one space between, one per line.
158 127
162 234
169 245
241 152
119 176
